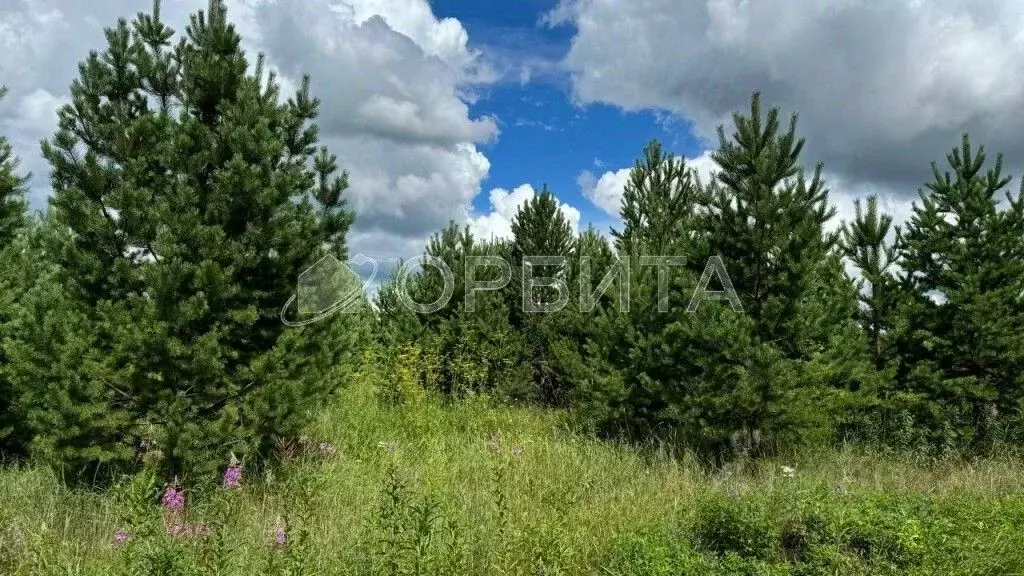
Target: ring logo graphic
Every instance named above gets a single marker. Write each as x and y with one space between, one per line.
328 287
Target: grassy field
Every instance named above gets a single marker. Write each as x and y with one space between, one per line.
474 489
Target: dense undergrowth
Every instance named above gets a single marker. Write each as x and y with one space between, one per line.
471 488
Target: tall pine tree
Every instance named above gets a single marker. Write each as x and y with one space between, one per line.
12 190
864 244
540 229
12 218
194 198
961 312
766 220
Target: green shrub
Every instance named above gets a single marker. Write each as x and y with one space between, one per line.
725 525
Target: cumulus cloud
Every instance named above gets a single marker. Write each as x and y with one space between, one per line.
606 191
394 83
497 224
882 88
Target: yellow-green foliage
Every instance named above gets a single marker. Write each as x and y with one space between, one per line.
470 488
409 370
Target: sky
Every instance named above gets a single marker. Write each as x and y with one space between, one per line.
462 110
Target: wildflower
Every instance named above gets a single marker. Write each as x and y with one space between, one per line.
326 448
173 500
177 529
280 539
517 450
788 472
120 537
233 476
202 530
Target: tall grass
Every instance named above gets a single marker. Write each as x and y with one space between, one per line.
471 488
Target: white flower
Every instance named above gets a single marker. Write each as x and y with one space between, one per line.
788 471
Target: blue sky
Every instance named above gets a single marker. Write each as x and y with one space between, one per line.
545 136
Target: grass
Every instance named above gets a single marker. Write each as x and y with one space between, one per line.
477 489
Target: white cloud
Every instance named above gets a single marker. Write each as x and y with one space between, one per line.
497 224
605 192
703 165
882 88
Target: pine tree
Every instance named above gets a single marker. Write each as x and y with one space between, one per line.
657 369
452 246
540 229
12 190
961 309
199 199
12 280
766 221
864 243
465 346
658 205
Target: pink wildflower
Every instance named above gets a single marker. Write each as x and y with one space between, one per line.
233 476
173 500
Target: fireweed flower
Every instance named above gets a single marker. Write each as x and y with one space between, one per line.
173 500
233 476
280 538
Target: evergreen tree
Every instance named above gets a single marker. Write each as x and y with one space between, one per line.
194 198
766 221
864 243
12 190
657 369
12 281
961 311
540 230
462 347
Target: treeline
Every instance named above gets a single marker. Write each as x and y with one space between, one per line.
923 350
141 314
